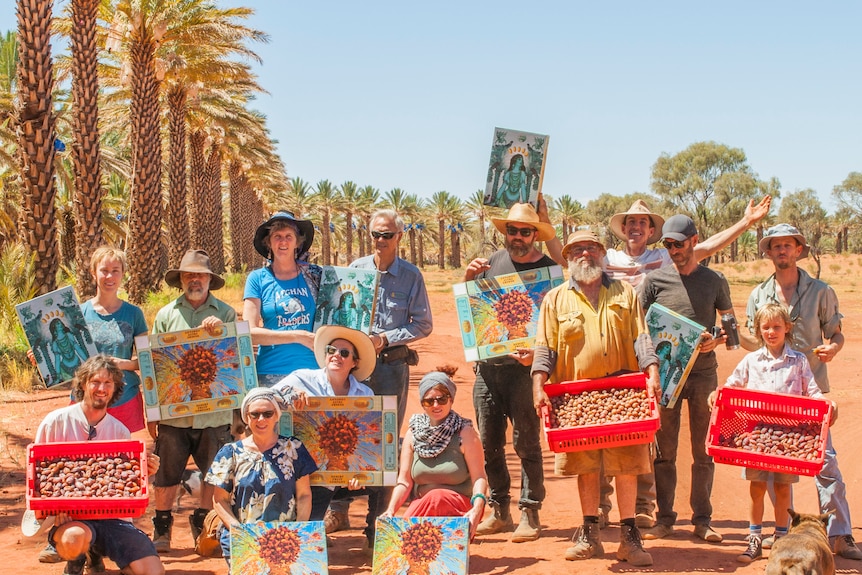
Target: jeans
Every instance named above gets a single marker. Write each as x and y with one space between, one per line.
504 393
695 393
832 492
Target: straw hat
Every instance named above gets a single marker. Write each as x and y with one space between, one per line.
525 214
305 227
326 334
581 236
196 262
784 231
639 208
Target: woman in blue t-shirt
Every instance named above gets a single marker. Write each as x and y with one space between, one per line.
280 298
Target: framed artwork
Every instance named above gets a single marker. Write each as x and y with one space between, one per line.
499 315
57 334
289 548
516 168
349 437
347 297
421 546
196 371
675 339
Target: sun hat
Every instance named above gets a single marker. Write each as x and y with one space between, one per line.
273 396
525 214
195 262
581 236
784 231
305 227
433 379
679 227
639 208
326 334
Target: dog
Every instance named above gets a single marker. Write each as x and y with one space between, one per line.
190 485
804 550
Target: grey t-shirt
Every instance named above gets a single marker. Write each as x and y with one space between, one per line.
696 296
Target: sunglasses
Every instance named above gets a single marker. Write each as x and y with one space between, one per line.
343 352
254 415
580 248
91 433
384 235
439 400
668 244
523 232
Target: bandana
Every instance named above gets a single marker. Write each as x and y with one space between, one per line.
271 395
430 440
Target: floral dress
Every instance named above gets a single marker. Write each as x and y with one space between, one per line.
262 485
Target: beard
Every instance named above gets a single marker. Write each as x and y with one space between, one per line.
585 271
517 248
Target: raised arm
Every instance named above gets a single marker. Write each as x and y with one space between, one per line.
555 246
718 241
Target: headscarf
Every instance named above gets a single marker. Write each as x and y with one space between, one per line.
271 395
430 440
436 378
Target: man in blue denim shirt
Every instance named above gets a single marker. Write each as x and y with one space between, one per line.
403 315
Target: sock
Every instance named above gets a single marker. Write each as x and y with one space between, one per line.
630 521
591 519
780 532
166 515
755 530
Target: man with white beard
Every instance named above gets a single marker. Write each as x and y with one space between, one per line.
593 327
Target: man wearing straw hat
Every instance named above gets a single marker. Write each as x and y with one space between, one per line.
198 436
592 327
813 308
503 392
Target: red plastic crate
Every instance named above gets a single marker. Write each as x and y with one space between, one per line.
588 437
738 410
87 508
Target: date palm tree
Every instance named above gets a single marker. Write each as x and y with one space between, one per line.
569 212
442 205
350 196
369 196
326 202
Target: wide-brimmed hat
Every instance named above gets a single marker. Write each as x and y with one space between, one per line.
364 347
784 231
581 236
525 214
305 227
639 208
196 262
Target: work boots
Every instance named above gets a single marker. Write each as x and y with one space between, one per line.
631 548
529 527
162 527
587 543
196 522
499 521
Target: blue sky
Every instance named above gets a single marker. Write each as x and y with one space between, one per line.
407 94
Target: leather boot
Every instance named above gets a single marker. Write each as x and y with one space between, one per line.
529 527
162 528
631 548
499 521
587 543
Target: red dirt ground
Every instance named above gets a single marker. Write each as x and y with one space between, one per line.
681 553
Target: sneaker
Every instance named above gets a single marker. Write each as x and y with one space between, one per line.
754 551
631 547
644 521
587 543
162 534
845 547
708 534
335 521
768 542
75 567
49 555
660 531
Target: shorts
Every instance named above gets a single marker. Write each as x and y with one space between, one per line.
627 460
174 446
117 539
764 476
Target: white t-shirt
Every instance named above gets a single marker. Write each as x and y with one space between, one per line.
70 424
621 266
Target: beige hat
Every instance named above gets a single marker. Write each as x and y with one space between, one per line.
326 334
196 262
525 214
581 236
639 208
784 231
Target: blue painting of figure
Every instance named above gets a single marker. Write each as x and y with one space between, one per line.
516 168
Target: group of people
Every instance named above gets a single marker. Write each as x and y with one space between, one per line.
591 326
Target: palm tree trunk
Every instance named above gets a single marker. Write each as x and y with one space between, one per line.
197 163
441 245
36 138
178 215
145 219
212 232
234 175
86 152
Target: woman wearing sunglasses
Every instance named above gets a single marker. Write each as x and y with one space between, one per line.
264 477
346 357
442 464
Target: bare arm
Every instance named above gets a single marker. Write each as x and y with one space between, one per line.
405 479
719 241
221 504
303 498
471 447
555 246
263 336
827 352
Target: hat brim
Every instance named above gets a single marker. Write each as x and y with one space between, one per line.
172 278
806 249
306 228
617 220
544 232
364 347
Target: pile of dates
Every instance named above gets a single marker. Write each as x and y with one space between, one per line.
88 477
801 441
599 407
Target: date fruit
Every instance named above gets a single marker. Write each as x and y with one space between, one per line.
598 407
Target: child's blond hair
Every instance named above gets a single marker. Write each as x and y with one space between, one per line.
773 311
